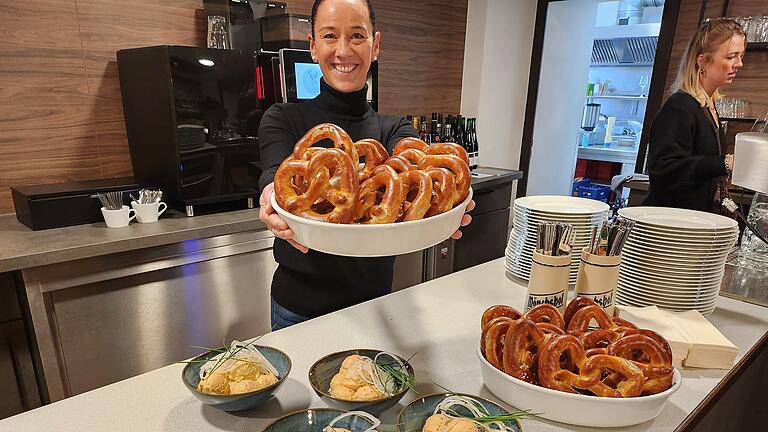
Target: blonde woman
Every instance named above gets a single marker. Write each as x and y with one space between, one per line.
687 163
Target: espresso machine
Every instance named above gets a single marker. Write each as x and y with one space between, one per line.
192 118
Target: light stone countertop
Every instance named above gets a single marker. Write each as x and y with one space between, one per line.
438 321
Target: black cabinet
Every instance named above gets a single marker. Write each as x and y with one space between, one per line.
18 382
17 375
486 237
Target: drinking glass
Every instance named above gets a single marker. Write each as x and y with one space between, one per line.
643 84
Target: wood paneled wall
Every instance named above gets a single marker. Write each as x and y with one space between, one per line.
60 110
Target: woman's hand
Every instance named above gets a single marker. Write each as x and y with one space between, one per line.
465 220
274 222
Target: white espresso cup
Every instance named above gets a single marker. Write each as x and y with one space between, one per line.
118 218
146 213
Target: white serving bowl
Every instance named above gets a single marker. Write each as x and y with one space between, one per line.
359 240
576 409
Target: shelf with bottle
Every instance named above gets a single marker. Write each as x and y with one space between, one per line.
456 129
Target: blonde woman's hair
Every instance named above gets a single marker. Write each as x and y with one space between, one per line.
710 34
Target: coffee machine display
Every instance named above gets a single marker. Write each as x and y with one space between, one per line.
290 75
192 117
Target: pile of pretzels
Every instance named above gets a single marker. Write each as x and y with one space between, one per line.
332 185
560 352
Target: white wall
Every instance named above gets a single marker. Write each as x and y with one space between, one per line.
497 58
564 69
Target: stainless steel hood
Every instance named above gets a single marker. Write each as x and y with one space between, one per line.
630 50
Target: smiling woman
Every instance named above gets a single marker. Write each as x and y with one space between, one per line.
309 283
345 42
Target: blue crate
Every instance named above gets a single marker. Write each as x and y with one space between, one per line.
578 182
594 191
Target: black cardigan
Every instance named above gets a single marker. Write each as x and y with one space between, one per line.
317 283
684 163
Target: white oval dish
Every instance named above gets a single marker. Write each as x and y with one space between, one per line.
359 240
575 409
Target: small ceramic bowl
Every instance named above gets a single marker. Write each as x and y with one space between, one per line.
413 416
323 370
363 240
316 419
239 402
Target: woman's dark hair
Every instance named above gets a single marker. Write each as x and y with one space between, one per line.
371 14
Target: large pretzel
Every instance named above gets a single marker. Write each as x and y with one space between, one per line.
343 198
443 190
340 138
546 314
387 209
456 166
417 194
400 164
409 143
489 316
373 152
492 340
521 349
448 148
657 370
590 371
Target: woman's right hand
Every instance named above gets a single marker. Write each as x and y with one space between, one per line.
274 222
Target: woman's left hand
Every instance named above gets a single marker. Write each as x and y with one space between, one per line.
465 220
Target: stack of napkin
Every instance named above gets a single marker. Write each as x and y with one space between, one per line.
695 342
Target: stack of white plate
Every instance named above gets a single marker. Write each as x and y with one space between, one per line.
528 211
674 258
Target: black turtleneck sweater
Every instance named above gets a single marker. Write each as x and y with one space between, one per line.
317 283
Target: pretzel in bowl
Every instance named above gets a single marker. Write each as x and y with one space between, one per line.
317 171
456 166
340 138
385 208
417 194
561 352
374 154
590 371
331 185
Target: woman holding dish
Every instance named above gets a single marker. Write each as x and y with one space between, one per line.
687 164
308 283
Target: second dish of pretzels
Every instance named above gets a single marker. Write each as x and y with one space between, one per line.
561 352
332 185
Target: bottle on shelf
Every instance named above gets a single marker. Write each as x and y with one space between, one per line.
414 122
473 155
432 129
424 130
437 137
461 132
448 129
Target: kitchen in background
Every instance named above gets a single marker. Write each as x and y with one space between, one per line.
596 68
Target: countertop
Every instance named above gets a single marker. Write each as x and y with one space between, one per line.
437 322
21 247
611 153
